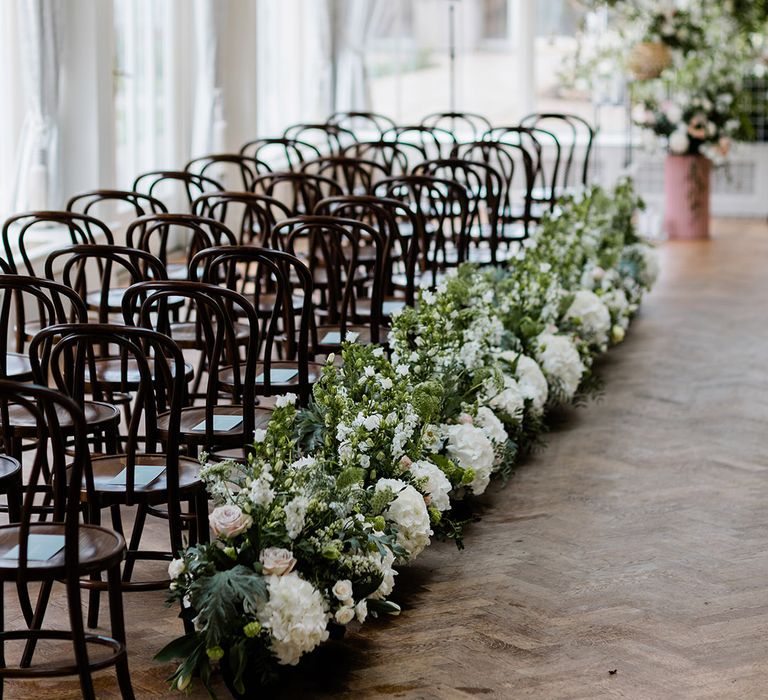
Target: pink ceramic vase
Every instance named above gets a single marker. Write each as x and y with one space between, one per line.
686 187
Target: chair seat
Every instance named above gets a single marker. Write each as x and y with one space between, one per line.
99 549
363 337
186 335
9 467
17 367
389 306
107 467
194 415
314 372
97 414
109 372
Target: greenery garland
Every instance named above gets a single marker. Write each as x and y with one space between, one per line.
392 450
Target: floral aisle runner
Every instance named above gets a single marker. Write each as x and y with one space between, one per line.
309 533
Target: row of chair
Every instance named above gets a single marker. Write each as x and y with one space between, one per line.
128 359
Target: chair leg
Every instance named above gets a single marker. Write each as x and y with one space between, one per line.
133 546
2 639
201 517
117 623
15 494
78 638
94 594
36 622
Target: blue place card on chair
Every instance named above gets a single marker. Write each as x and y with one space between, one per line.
39 548
143 475
220 423
278 376
389 307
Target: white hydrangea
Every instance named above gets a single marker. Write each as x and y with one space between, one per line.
561 362
492 426
295 513
532 382
592 315
409 514
470 447
437 485
295 615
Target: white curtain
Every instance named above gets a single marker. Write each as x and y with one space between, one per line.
38 181
356 22
209 127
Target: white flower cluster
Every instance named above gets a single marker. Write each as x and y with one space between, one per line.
592 316
408 512
471 448
561 362
295 616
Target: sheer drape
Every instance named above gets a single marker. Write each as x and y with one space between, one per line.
208 132
355 22
38 181
293 44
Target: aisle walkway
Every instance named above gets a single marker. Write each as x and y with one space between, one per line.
635 542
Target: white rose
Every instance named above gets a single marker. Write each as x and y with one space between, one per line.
277 561
229 521
470 447
673 112
345 615
342 589
408 513
493 427
437 485
532 382
176 568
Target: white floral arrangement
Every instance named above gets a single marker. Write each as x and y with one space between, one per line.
392 449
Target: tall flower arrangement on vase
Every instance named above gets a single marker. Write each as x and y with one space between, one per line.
698 106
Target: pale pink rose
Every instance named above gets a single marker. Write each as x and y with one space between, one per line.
427 500
466 419
229 521
277 561
405 462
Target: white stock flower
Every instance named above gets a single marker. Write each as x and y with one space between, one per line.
361 611
295 512
285 400
295 616
372 422
409 514
560 361
385 564
470 447
492 426
259 435
260 491
592 315
437 485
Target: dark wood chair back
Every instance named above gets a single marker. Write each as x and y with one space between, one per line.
299 192
467 125
234 171
354 175
177 189
281 153
367 124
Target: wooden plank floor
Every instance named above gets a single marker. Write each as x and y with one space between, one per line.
635 542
